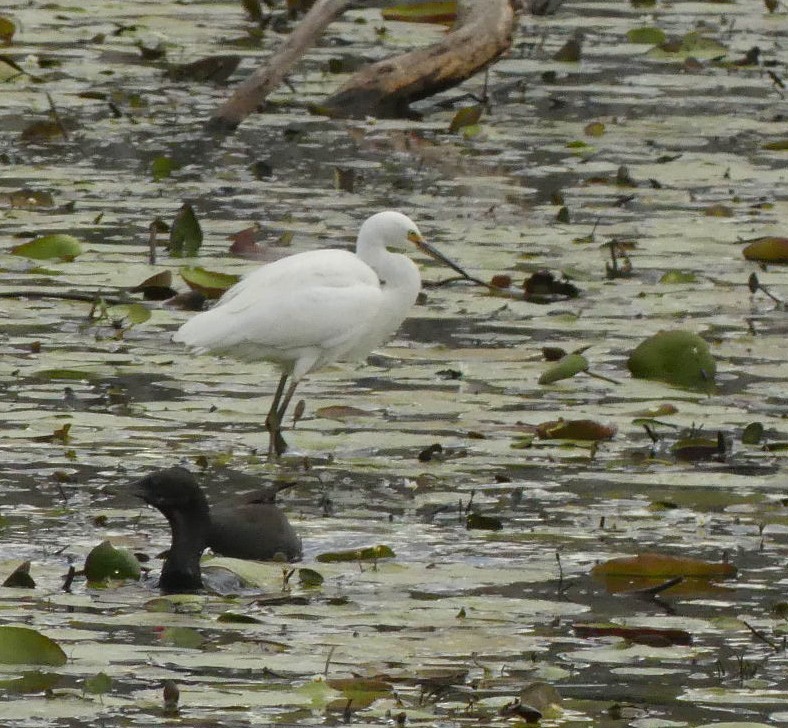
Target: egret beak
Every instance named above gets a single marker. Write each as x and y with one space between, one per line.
434 253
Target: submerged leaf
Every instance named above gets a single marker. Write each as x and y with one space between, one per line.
680 358
58 246
24 646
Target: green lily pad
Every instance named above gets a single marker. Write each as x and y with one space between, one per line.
369 553
680 358
678 276
130 313
465 117
185 233
25 646
431 11
650 35
767 250
210 283
98 684
566 367
49 247
106 562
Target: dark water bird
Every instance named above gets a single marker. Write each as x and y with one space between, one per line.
314 308
254 528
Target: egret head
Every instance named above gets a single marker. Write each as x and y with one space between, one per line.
391 229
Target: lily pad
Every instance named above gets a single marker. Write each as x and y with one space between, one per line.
25 646
440 11
210 283
50 247
664 566
767 250
185 233
568 366
107 562
368 553
680 358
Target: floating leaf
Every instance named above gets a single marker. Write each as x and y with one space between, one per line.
369 553
467 116
575 430
106 562
60 435
594 129
209 283
214 69
236 618
7 30
98 684
767 250
678 276
696 449
664 566
752 434
680 358
31 682
185 233
42 131
718 210
650 35
361 691
781 145
568 366
341 412
310 578
25 646
640 635
163 167
483 523
58 246
444 12
129 313
20 577
26 199
157 287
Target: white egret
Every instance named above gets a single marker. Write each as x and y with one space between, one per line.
311 309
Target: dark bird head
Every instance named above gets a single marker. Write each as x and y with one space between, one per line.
177 495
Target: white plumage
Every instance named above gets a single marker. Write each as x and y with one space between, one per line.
310 309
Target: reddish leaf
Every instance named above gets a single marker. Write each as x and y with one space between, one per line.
664 566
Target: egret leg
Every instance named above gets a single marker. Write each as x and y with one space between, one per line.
273 422
279 441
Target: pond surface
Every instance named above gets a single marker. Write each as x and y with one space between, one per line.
461 619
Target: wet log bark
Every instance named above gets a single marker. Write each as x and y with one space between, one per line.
483 32
250 94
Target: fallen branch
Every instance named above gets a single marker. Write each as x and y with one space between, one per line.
253 91
483 32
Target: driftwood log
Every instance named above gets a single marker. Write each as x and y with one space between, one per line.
253 91
481 34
